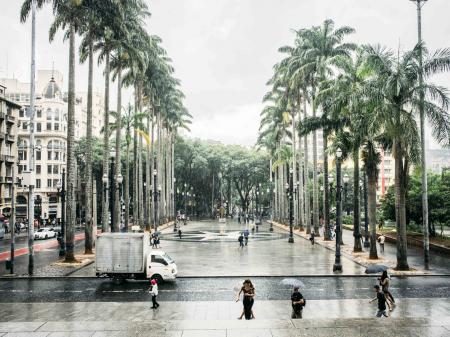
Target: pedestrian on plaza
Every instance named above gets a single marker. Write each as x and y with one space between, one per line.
154 292
311 238
298 302
248 300
381 240
247 218
381 301
239 218
179 233
333 233
384 283
246 234
241 240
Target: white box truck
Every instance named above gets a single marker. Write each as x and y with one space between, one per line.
129 256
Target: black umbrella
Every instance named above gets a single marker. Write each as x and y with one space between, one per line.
375 268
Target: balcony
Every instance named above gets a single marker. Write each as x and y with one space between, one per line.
10 138
7 158
2 116
10 119
6 180
2 135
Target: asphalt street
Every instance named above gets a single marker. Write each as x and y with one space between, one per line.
213 289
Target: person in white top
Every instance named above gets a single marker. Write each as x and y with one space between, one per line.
154 292
381 239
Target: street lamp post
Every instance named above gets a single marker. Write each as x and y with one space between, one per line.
155 200
366 217
61 187
105 181
346 180
185 201
119 180
112 185
426 243
290 190
337 263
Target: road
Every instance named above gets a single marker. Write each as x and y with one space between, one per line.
46 252
213 289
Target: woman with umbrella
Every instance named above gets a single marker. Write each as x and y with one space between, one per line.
249 293
297 299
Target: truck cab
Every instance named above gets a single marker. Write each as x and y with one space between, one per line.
160 266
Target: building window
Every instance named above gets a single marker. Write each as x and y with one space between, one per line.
49 169
24 126
38 183
56 126
55 182
49 155
38 155
21 113
22 155
38 127
56 155
49 183
49 114
38 169
39 113
55 169
49 126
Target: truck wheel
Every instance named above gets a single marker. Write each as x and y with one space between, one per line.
118 280
158 278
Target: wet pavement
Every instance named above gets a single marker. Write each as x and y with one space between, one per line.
208 248
213 289
412 317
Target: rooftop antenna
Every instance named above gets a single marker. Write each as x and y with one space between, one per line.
53 72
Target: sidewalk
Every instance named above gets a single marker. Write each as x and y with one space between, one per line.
440 265
412 317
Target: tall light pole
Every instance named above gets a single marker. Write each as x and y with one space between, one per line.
423 161
62 194
155 200
185 202
31 162
290 191
337 262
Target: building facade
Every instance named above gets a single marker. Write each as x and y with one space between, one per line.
50 130
9 112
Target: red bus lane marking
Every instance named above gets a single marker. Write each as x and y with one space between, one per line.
37 247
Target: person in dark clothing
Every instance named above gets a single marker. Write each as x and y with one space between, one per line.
311 238
385 282
249 293
241 240
246 234
381 302
298 302
179 233
239 218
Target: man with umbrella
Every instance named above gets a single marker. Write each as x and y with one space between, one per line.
298 302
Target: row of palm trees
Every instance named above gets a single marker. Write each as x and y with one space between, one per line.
369 99
115 31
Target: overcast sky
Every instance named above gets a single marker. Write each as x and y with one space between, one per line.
223 50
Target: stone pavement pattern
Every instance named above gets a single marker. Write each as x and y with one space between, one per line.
207 256
412 317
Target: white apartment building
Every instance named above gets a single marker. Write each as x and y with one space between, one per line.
50 137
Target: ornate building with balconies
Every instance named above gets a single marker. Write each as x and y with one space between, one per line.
9 112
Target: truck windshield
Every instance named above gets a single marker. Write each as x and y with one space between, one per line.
167 258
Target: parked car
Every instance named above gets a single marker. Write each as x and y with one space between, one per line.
44 233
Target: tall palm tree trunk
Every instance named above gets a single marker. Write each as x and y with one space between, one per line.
126 182
88 232
105 213
148 179
71 161
326 189
357 246
400 206
372 202
135 175
294 168
140 168
152 164
306 173
118 167
315 181
300 192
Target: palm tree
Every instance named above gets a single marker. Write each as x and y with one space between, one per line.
399 90
313 56
69 16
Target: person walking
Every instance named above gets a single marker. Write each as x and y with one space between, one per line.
248 300
381 301
154 292
241 240
239 218
311 238
246 234
179 233
381 240
298 302
384 283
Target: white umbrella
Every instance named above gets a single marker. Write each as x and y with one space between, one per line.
293 282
